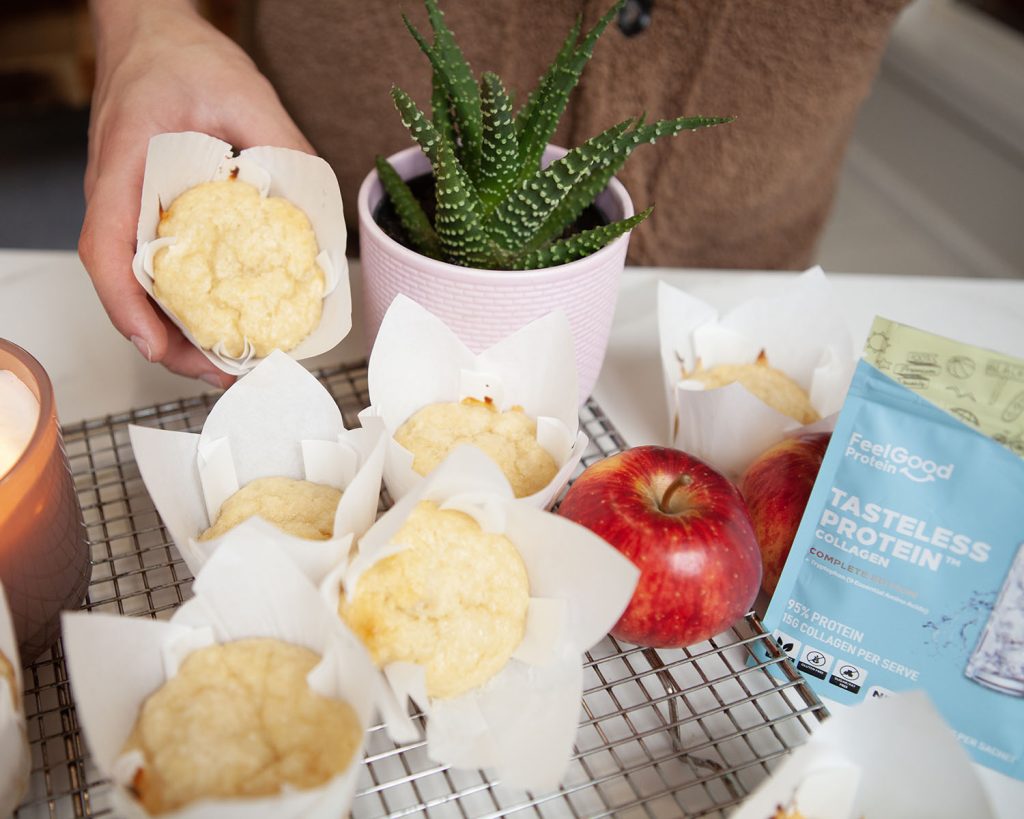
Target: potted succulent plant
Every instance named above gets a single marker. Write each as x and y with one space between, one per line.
498 241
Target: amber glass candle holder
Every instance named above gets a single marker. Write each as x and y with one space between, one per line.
44 554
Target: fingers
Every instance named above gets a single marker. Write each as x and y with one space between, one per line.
181 356
108 258
106 247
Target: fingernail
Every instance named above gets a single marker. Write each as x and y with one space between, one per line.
143 347
212 380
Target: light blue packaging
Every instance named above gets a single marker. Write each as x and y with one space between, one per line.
904 548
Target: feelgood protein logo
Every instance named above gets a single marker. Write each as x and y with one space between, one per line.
896 460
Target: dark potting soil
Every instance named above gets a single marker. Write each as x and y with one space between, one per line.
422 188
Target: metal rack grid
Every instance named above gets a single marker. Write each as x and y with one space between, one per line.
662 733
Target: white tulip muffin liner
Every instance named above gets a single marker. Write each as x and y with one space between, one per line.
178 161
417 360
15 759
277 420
893 756
802 333
521 724
248 589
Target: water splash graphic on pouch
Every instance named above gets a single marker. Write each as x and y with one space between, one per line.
998 659
954 632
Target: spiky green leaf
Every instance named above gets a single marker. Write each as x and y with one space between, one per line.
670 127
458 220
587 190
577 246
554 96
498 162
441 108
421 41
421 128
451 66
524 118
514 222
415 221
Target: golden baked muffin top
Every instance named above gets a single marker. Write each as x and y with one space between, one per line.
239 720
7 673
300 508
242 267
508 438
774 387
453 602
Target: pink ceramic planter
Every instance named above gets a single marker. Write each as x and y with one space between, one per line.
484 306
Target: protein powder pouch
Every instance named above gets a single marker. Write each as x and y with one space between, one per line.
907 571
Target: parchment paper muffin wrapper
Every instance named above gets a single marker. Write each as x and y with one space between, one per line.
178 161
417 360
249 588
884 757
15 759
802 333
277 420
521 724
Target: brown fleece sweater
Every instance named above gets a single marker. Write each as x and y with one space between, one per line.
751 194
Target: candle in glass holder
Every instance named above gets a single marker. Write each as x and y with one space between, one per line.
19 412
44 555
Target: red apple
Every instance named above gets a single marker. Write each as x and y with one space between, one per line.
776 487
685 526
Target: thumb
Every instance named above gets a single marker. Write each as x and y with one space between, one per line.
265 122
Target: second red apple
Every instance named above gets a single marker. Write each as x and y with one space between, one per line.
776 487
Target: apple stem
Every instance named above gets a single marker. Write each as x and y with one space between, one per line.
682 480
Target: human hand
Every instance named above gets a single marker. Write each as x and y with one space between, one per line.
160 68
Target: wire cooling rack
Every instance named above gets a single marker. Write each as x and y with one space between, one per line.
661 734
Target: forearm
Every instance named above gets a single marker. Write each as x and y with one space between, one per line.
111 15
116 23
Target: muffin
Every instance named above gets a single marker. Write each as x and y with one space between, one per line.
240 720
300 508
509 439
774 387
7 673
453 602
242 269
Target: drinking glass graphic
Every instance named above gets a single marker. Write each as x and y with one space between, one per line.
998 659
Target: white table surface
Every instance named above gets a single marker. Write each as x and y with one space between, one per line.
48 306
